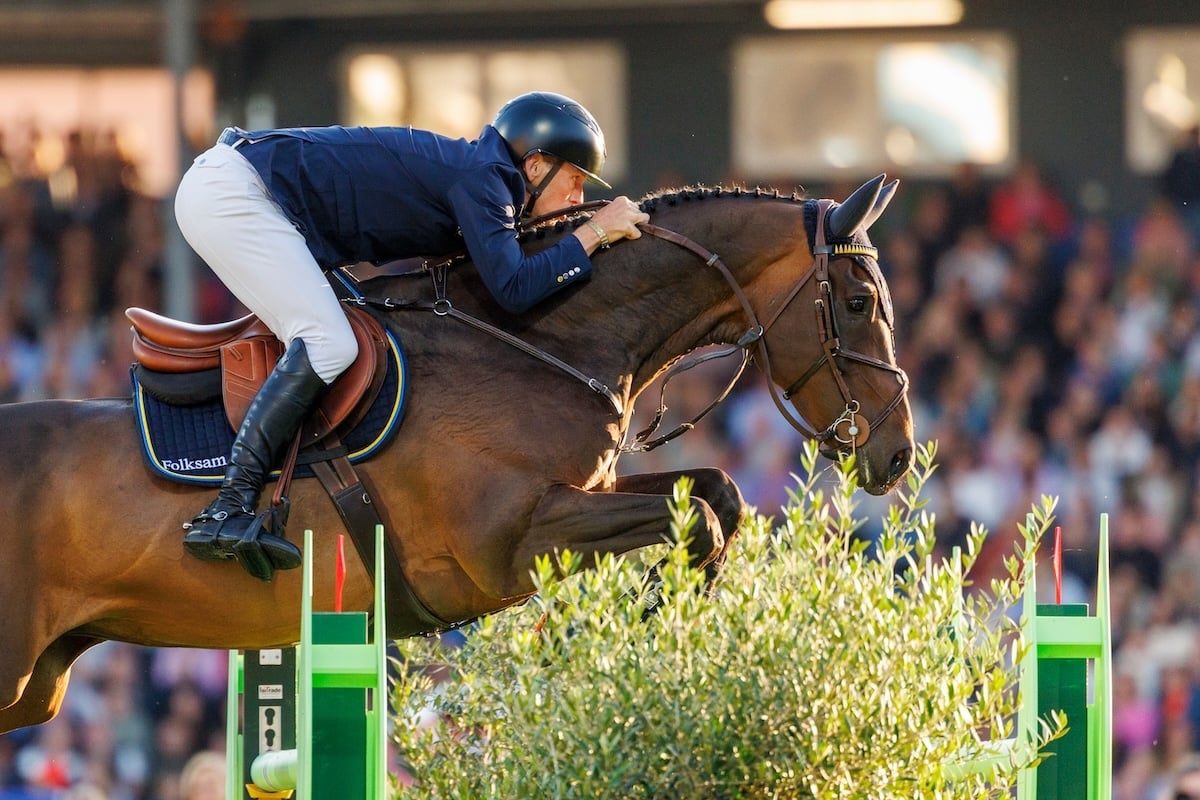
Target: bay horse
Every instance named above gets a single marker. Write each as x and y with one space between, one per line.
501 457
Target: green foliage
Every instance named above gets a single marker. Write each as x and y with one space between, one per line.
816 669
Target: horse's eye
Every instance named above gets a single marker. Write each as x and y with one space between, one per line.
857 305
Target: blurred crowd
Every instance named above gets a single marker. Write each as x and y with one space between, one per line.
138 724
1053 350
78 244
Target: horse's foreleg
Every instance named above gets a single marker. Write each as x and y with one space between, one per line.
714 486
594 524
40 693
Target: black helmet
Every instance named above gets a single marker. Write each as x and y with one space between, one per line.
544 122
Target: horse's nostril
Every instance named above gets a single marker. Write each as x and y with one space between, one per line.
900 464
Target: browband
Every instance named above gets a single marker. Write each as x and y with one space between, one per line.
847 249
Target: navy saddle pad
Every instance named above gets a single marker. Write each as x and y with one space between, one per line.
190 443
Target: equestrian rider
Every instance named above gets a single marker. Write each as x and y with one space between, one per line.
270 211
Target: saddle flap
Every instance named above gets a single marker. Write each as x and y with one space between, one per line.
246 363
350 396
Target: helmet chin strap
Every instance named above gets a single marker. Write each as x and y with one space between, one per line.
536 191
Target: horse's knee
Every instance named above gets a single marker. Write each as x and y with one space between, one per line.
723 495
728 507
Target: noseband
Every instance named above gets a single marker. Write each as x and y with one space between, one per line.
850 430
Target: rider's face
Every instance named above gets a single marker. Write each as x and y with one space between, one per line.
565 188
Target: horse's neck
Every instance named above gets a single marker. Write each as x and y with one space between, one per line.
665 300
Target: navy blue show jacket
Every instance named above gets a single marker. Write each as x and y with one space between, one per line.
383 194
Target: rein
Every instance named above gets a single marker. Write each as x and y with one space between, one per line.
642 442
442 307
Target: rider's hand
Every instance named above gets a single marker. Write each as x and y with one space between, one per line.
618 219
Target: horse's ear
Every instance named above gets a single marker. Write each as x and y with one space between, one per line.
885 196
849 216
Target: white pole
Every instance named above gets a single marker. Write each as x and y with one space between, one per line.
179 30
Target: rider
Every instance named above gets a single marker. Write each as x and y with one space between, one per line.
270 211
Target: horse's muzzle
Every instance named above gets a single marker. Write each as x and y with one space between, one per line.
899 465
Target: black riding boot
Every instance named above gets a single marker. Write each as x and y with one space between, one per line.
228 527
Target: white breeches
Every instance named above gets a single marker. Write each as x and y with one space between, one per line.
231 221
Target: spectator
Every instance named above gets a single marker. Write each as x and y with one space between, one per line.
968 196
1026 200
1185 782
932 228
1135 718
976 262
50 761
1163 250
203 777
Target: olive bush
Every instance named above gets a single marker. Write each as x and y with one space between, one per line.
820 666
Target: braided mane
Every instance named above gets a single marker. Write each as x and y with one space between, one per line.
675 197
651 203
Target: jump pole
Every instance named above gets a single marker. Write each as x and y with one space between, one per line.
323 733
1067 644
1067 640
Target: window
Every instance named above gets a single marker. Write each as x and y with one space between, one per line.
1162 94
456 91
817 107
41 107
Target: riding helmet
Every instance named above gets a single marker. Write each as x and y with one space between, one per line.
545 122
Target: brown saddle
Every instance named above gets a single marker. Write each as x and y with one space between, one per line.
246 351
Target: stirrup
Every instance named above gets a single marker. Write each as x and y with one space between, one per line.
261 551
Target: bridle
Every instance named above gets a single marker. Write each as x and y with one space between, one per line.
850 430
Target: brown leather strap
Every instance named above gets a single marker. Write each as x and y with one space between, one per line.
355 506
407 615
286 472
